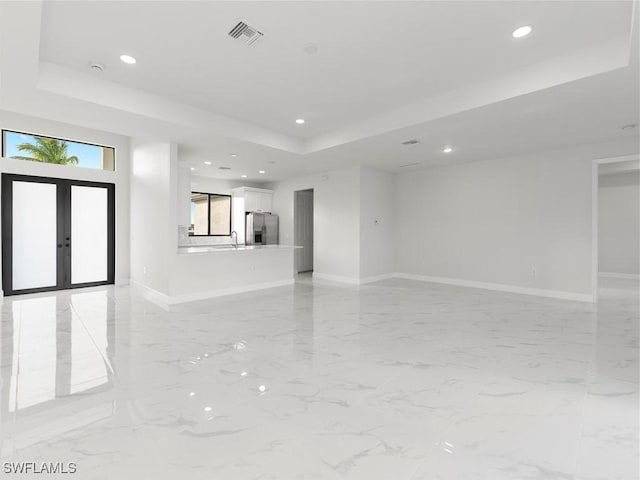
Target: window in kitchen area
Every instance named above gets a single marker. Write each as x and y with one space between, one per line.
210 214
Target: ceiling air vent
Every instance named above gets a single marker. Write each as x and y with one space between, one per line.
250 34
411 142
224 168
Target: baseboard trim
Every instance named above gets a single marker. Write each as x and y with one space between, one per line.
623 276
351 280
152 295
194 297
376 278
335 278
166 301
539 292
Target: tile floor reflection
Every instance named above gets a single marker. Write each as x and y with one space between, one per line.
394 380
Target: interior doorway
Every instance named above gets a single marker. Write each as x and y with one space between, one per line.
617 226
303 230
56 234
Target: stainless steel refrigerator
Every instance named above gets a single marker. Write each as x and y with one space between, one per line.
261 229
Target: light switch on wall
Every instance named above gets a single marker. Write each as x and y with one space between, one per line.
375 222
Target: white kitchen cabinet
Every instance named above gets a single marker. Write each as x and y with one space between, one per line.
255 199
264 202
250 202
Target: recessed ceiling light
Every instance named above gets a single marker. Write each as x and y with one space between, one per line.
193 168
234 155
311 48
207 163
300 121
522 31
261 171
127 59
243 176
447 149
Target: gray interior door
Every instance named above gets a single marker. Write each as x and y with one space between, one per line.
303 230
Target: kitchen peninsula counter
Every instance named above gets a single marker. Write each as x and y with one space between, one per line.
199 272
202 249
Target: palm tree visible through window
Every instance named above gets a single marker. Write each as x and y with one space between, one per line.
57 151
47 150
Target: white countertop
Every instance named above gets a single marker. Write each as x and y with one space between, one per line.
199 249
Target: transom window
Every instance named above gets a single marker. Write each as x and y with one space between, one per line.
210 214
40 148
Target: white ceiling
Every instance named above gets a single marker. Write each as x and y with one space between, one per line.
442 72
561 117
372 56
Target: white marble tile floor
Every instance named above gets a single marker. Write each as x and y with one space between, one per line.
397 380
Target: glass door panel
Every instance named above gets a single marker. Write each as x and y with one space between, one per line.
34 227
89 234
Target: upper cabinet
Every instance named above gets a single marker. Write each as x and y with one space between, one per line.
250 202
255 199
264 201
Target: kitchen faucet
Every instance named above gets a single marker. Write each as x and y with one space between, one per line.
236 237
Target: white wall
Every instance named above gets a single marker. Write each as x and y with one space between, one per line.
377 205
348 244
336 196
619 223
496 221
120 177
153 225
